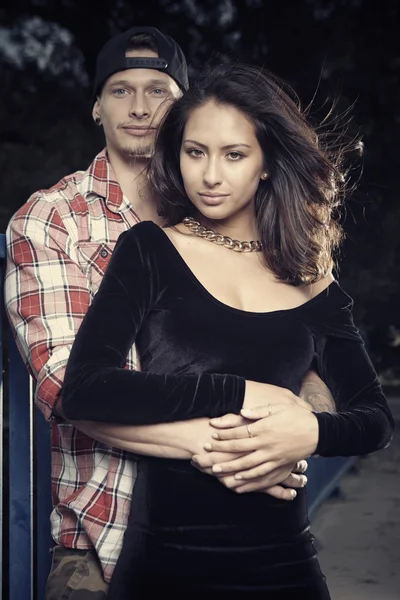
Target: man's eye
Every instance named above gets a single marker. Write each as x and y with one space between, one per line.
119 92
159 92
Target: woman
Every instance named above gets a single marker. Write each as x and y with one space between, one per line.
217 324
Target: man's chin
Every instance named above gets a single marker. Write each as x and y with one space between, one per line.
138 152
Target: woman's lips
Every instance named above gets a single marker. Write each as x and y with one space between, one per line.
213 199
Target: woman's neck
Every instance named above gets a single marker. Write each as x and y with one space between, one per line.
238 227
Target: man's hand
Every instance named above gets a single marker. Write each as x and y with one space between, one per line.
281 434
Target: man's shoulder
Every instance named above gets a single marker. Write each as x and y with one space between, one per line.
67 196
65 189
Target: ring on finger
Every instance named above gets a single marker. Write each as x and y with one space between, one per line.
249 432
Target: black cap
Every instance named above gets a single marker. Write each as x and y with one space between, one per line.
112 58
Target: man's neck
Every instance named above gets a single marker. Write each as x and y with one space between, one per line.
132 177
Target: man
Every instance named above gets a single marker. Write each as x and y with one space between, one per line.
59 245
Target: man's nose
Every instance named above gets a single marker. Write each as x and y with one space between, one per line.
139 107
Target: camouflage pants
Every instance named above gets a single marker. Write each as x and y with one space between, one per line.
75 575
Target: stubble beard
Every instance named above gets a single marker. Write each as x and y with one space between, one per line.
139 152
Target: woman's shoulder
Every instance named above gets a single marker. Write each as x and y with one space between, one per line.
328 290
144 235
329 311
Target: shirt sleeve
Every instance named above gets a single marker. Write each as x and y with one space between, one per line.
96 385
363 422
46 296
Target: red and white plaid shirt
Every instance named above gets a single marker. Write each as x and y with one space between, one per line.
59 244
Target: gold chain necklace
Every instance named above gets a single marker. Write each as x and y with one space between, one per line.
221 240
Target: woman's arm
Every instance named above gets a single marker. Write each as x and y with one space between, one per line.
97 387
363 422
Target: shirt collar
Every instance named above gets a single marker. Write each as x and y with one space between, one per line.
102 182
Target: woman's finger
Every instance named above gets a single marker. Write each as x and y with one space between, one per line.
234 433
207 459
229 420
243 445
276 491
207 471
260 471
259 412
244 463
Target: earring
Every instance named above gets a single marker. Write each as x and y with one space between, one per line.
97 121
264 176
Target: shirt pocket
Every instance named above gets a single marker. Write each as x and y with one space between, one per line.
93 260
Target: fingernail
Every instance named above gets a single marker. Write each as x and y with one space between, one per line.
237 476
304 480
207 447
217 469
293 493
215 436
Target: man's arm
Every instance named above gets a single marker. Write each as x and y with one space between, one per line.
316 394
47 297
165 440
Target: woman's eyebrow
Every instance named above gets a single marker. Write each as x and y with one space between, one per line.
227 147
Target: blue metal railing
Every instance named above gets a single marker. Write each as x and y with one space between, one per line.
25 463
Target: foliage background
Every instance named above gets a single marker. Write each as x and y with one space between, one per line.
326 49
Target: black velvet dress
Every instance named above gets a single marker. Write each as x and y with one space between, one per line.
187 534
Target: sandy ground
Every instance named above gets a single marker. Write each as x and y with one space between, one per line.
358 532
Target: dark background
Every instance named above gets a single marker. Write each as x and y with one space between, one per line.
343 49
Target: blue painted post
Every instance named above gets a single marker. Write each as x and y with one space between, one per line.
43 539
29 458
20 478
2 265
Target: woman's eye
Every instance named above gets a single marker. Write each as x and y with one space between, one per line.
195 152
235 155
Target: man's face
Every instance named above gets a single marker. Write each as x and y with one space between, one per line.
131 106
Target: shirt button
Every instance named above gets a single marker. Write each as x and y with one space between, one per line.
104 253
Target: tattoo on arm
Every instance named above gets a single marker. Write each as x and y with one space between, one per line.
316 393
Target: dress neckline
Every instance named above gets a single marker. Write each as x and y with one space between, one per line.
322 295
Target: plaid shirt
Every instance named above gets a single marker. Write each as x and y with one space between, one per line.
59 244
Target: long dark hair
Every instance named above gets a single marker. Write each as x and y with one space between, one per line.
297 206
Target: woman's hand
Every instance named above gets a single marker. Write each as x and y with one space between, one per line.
280 483
279 434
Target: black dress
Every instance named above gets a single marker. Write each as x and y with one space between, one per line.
187 534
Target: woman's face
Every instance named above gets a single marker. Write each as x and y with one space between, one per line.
221 161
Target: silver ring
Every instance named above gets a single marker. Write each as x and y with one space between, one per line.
249 432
